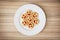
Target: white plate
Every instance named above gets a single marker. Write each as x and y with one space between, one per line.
26 31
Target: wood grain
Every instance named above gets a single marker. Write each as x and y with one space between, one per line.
7 27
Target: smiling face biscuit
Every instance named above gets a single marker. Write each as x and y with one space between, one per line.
30 18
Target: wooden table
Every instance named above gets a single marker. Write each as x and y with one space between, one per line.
8 30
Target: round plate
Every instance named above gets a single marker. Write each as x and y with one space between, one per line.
26 31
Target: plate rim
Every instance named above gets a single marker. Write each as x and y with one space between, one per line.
35 5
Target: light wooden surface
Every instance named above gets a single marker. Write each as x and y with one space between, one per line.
7 27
